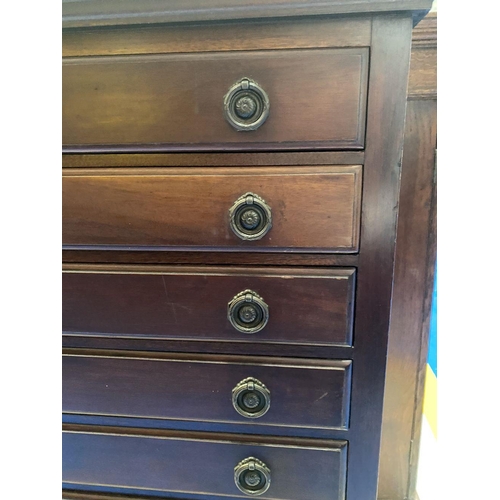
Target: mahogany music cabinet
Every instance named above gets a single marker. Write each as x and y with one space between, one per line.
231 176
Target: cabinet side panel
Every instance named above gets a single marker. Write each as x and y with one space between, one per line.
390 53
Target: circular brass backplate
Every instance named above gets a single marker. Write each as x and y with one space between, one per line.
251 398
247 312
246 105
252 476
250 217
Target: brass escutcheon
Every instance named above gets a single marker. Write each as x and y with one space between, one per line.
246 105
247 312
250 217
252 476
251 398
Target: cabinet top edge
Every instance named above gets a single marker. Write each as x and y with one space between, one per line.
95 13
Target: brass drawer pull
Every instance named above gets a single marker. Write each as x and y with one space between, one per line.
252 476
250 217
248 312
251 398
246 105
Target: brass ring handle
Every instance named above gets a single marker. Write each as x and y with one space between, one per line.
247 312
250 217
252 476
246 105
251 398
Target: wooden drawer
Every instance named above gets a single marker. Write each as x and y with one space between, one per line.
304 306
202 464
312 208
175 101
200 388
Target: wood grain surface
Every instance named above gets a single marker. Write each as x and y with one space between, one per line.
203 466
423 64
385 128
156 345
306 306
199 389
411 286
84 13
423 74
413 280
263 34
153 255
314 208
139 160
175 101
109 220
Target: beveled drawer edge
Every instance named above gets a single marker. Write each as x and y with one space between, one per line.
248 343
309 351
141 148
356 215
216 437
226 423
269 361
269 171
262 251
159 269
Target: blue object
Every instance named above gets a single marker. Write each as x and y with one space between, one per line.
432 356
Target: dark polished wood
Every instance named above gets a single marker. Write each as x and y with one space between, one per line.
314 208
301 395
117 201
154 256
386 105
219 37
201 465
159 256
211 347
423 74
306 306
87 495
204 426
423 67
176 101
414 249
413 280
206 436
294 159
84 13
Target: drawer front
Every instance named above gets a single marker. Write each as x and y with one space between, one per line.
311 208
201 389
305 306
202 466
317 98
